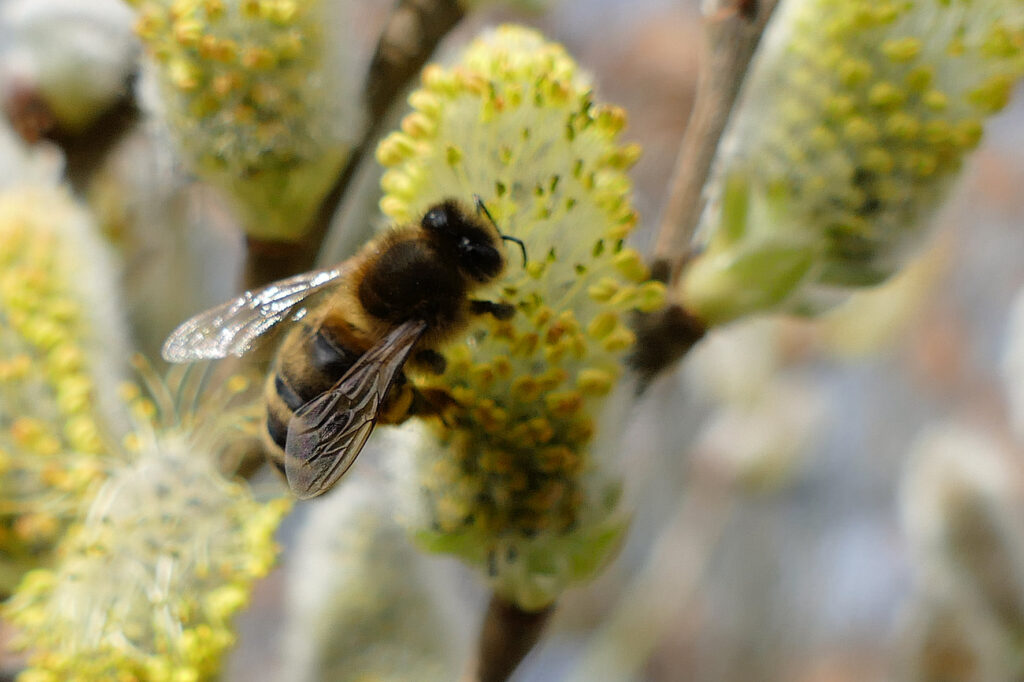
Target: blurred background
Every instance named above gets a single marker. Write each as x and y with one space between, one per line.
822 501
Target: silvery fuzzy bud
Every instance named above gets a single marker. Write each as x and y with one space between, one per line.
363 602
963 498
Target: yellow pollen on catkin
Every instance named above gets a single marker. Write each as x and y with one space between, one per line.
54 370
514 122
855 119
249 94
172 548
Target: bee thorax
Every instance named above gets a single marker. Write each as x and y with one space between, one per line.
410 282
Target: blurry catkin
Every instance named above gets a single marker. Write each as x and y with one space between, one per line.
857 116
511 483
766 416
361 604
258 97
62 357
963 498
761 446
147 584
76 55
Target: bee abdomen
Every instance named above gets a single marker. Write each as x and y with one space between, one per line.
292 399
276 434
311 367
308 365
328 357
277 427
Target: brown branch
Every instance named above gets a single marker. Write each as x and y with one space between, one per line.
733 30
412 33
409 38
507 635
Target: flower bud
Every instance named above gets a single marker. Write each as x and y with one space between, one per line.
963 497
362 602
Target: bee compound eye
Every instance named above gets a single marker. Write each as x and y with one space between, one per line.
482 262
435 219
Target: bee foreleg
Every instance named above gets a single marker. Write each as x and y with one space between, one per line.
432 402
501 311
430 360
397 406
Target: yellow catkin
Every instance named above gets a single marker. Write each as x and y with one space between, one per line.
250 95
513 121
173 549
61 349
857 118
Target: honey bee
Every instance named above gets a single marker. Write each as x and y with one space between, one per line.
339 370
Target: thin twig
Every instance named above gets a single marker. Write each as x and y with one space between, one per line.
733 30
409 38
507 635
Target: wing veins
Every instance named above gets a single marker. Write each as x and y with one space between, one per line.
231 327
326 434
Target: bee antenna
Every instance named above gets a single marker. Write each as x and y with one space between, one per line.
517 240
481 208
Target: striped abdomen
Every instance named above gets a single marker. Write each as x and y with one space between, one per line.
308 363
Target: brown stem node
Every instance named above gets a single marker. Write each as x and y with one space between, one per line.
662 338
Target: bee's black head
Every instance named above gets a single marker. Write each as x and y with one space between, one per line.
471 244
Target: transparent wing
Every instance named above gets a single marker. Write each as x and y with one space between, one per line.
232 327
326 434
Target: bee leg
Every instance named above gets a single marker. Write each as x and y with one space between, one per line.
492 563
397 406
432 402
430 360
501 311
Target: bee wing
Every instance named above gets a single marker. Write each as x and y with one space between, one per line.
232 327
326 434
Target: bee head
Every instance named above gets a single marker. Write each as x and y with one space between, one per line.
470 243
